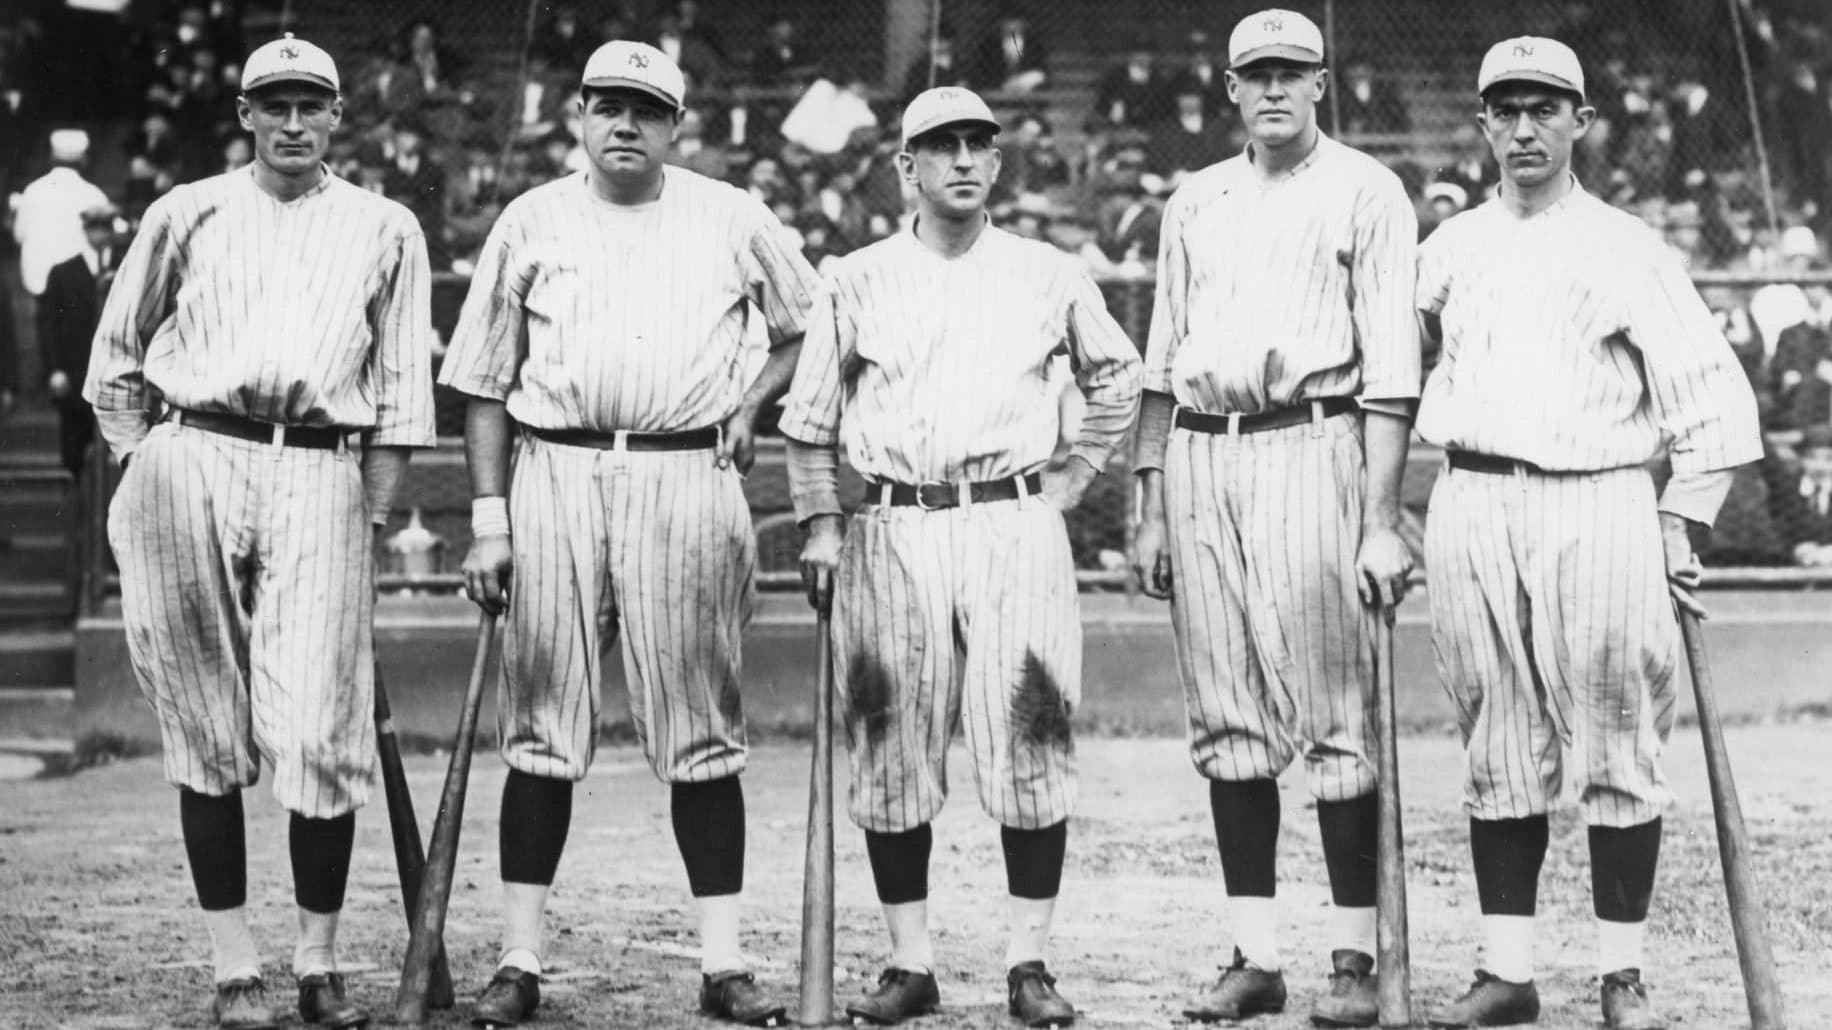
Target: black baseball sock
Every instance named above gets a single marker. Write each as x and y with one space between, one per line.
1622 864
1246 815
536 814
1507 855
1350 843
216 843
321 860
900 864
1033 860
709 828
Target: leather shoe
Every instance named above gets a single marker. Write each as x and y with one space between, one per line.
736 998
900 994
1354 991
1033 998
1491 1001
241 1004
1242 991
322 1001
1625 1003
511 997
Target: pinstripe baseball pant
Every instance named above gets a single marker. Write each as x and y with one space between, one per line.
962 616
655 547
1273 643
247 589
1555 636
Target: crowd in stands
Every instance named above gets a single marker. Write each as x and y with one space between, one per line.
455 138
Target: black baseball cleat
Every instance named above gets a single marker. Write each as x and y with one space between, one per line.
736 998
1490 1001
322 1001
1354 991
510 999
1031 992
1625 1003
900 994
241 1004
1241 991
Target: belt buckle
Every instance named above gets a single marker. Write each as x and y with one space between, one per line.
922 503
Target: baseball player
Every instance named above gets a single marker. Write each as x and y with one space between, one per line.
281 314
1282 369
1572 344
608 318
953 590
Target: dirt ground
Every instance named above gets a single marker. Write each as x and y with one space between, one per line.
98 927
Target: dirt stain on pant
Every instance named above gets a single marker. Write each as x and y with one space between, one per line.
1039 712
870 694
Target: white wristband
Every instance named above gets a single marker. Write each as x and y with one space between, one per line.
489 517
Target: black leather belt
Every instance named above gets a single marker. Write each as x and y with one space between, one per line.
322 438
1489 464
1261 421
626 440
934 496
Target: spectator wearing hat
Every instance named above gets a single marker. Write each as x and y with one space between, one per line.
1442 200
1803 506
1190 139
68 311
48 217
1367 106
1012 59
1779 305
1131 93
412 178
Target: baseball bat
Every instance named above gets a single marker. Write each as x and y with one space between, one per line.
817 876
1394 963
1748 917
428 924
409 854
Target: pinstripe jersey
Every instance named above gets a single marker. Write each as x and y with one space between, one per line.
1573 339
1275 291
310 312
585 314
943 365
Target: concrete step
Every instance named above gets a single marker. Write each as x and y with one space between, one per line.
27 602
37 656
35 499
30 431
34 557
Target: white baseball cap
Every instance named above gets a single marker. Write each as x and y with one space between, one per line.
1275 34
945 105
69 144
1531 59
289 60
622 64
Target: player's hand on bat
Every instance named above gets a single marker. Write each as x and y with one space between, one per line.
1064 488
1684 573
1383 567
738 444
487 568
819 557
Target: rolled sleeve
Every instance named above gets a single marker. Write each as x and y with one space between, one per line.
1700 393
1384 277
491 340
1170 311
812 412
780 280
1107 369
401 358
138 305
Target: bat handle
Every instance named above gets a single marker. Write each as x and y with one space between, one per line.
1394 995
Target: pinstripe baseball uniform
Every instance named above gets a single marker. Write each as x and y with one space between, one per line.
1272 294
246 576
1573 341
935 370
586 315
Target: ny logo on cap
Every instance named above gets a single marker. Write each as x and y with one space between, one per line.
947 94
1273 25
291 53
1522 50
639 60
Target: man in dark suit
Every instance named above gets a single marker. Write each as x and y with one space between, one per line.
68 311
1803 502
